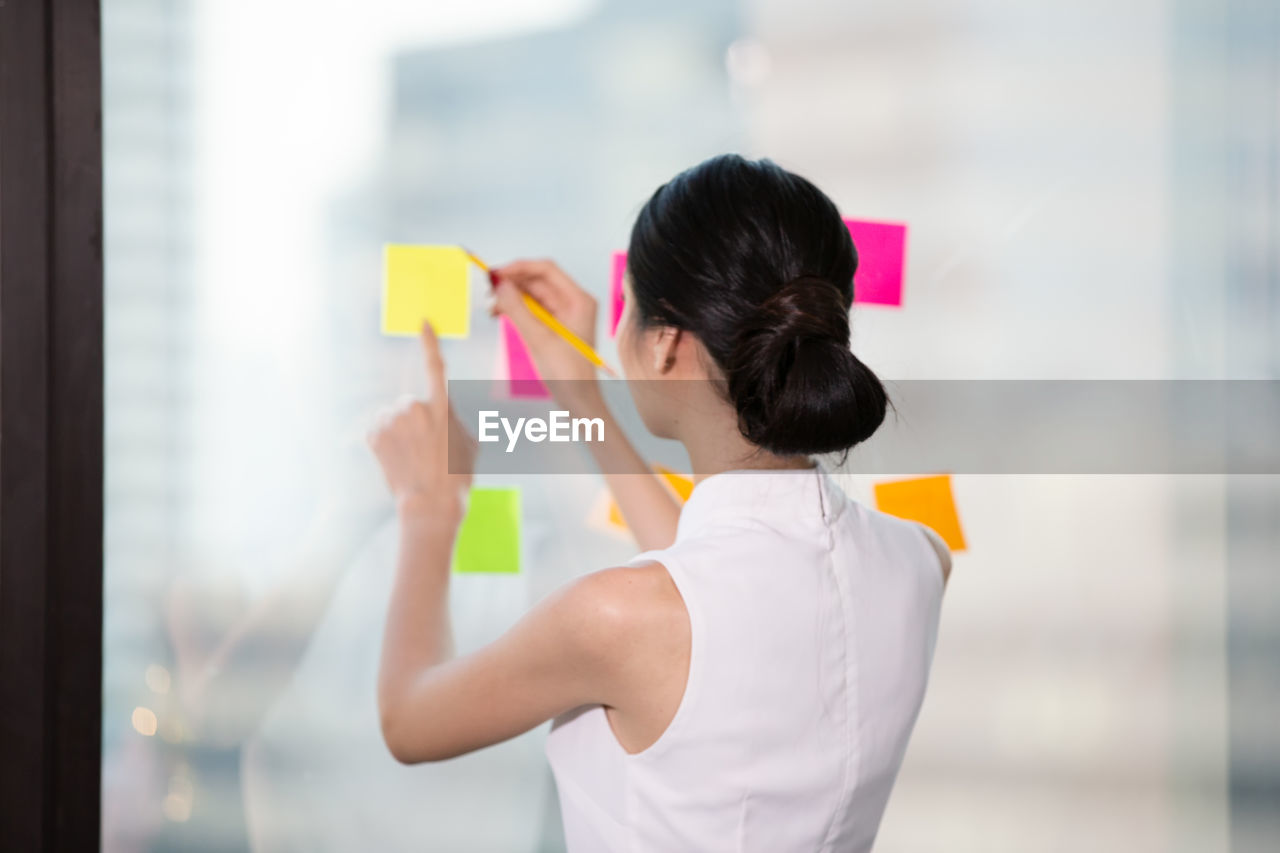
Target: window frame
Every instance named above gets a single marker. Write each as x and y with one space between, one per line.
51 424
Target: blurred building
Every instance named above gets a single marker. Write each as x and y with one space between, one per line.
1091 192
535 144
160 789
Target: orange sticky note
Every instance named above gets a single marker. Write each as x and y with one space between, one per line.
680 485
927 500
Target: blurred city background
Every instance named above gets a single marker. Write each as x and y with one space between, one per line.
1092 191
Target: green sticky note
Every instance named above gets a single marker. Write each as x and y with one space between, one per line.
426 283
489 539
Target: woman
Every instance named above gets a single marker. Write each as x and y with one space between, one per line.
750 681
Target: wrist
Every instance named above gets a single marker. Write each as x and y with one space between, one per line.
430 511
584 399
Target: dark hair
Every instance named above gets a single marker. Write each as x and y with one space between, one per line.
757 263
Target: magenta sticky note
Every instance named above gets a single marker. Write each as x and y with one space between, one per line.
882 248
615 291
522 376
497 388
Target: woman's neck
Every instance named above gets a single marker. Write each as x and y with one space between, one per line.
718 446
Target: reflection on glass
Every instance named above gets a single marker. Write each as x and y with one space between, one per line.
258 156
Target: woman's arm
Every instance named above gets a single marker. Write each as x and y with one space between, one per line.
644 500
569 650
647 506
418 635
581 645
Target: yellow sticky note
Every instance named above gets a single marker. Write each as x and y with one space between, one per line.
679 485
426 283
489 538
925 499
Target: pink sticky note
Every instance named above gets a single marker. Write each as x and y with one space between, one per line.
497 388
881 250
523 378
615 291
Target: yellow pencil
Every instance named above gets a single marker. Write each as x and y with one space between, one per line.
549 320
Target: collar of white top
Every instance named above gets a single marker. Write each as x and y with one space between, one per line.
781 495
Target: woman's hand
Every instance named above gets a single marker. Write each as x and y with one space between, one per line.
568 303
425 470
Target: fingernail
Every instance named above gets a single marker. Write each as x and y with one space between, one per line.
493 278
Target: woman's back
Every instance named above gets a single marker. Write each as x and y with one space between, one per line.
812 627
811 619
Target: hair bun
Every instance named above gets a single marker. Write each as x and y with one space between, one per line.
809 306
797 386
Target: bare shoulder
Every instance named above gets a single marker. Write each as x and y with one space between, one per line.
631 621
944 552
627 599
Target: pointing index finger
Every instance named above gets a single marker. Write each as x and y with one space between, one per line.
437 399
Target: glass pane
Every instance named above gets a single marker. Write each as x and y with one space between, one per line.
1080 194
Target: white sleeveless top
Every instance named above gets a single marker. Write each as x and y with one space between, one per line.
812 620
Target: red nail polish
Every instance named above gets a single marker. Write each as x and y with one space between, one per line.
493 278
